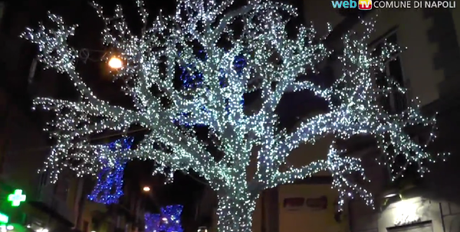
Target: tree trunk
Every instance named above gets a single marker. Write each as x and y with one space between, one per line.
235 215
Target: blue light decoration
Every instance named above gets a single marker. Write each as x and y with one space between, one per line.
109 186
152 222
168 220
195 80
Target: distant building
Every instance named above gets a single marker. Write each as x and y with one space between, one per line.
24 146
23 151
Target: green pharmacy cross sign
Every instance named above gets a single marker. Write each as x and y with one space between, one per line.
16 198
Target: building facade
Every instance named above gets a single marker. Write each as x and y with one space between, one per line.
24 146
429 69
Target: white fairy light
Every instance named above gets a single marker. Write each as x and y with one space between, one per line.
263 41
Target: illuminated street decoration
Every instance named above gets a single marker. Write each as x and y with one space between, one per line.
273 61
16 198
109 186
195 80
152 222
168 221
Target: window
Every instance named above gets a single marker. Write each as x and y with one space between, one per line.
85 226
396 101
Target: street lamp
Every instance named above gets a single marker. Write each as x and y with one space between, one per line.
115 62
146 189
389 193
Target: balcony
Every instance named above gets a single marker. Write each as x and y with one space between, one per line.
48 202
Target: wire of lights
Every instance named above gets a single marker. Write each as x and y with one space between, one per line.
169 220
152 222
195 80
109 186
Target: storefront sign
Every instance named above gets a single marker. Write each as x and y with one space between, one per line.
16 198
407 217
293 203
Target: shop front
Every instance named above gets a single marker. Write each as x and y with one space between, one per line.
416 214
310 208
411 215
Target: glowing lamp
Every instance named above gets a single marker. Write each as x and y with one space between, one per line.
390 193
115 63
146 189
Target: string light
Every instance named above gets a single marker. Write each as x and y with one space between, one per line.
194 80
168 221
273 61
109 186
152 222
170 218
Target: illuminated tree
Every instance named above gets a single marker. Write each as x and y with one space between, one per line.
273 61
